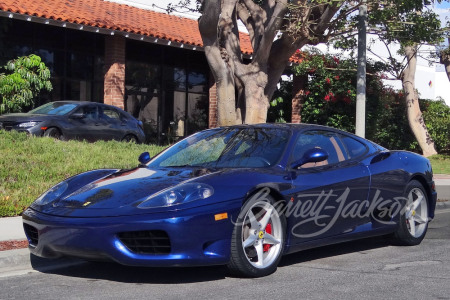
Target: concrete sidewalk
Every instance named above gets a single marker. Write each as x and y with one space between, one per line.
442 186
20 261
11 229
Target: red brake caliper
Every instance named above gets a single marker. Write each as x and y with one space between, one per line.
268 230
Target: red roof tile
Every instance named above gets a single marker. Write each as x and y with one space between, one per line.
114 16
121 17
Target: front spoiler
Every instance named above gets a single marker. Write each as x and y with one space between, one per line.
197 239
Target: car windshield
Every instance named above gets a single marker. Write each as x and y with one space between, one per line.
226 148
54 108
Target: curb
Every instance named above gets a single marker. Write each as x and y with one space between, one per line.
442 205
12 261
17 257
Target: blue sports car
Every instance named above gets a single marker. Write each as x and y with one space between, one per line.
241 196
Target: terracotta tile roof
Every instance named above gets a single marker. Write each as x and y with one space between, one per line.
114 16
121 17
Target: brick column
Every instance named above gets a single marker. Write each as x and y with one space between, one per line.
114 87
298 92
212 103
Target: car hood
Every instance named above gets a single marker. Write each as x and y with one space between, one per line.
119 192
109 192
22 117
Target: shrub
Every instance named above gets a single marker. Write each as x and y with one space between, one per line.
22 81
330 99
436 115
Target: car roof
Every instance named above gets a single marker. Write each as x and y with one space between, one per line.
77 102
298 127
86 103
289 126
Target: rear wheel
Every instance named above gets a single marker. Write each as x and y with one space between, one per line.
414 221
54 132
258 238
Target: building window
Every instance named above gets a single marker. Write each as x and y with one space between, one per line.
75 58
166 88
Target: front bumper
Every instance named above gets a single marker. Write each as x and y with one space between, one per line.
196 238
35 130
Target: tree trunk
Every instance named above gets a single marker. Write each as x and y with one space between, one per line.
446 63
414 114
445 60
256 101
227 112
256 80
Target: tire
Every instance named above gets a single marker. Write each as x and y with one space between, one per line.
129 138
258 239
54 132
414 220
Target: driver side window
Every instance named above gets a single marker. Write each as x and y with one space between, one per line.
89 112
325 140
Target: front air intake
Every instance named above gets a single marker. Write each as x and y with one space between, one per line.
32 234
146 242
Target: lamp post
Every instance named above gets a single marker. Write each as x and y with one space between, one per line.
360 126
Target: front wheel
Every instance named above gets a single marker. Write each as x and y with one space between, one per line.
258 238
54 133
414 221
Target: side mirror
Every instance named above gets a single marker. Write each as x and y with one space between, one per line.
77 116
312 155
144 158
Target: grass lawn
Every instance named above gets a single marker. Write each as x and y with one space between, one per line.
440 163
30 165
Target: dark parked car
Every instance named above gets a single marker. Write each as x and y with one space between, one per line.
76 120
241 196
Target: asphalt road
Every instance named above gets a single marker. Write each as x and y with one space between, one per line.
367 269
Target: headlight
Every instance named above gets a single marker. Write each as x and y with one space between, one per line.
28 124
52 194
182 193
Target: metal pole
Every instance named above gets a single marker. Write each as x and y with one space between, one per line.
360 126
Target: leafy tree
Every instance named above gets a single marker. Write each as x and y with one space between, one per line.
437 117
330 99
406 25
276 30
280 109
21 82
245 84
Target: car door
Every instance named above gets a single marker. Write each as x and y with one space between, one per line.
326 196
114 123
87 127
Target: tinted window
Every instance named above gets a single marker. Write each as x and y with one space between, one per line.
325 140
54 108
354 147
90 112
226 148
110 114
